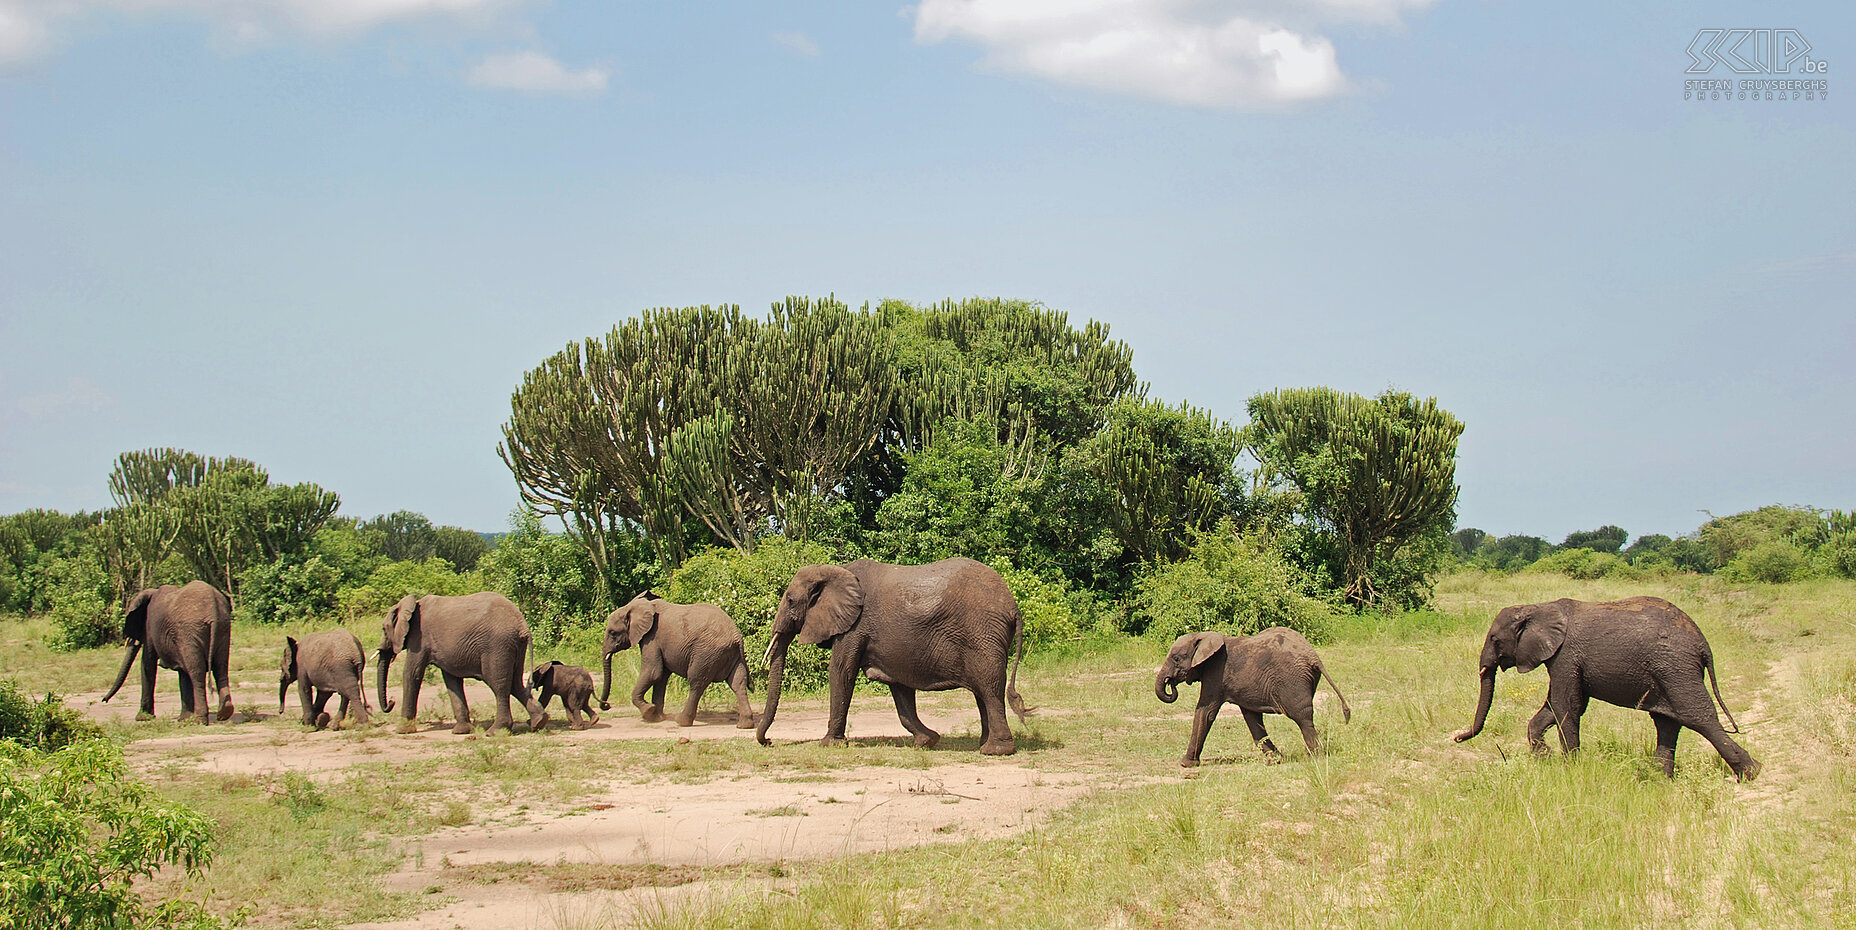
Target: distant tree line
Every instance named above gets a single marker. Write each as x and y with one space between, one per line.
1773 544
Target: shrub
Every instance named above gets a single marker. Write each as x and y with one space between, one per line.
44 724
548 575
394 580
79 595
288 589
1606 538
1046 604
748 586
1584 564
1725 538
1226 583
1771 562
1510 553
76 830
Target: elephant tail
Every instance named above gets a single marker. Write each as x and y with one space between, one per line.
1714 680
1346 713
1011 684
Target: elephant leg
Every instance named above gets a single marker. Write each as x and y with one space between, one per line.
1568 707
518 688
1305 719
1695 710
846 660
322 702
586 707
147 711
355 696
698 684
738 683
341 711
651 675
1667 729
454 685
187 704
573 712
1537 728
222 679
995 733
1254 720
905 711
306 699
500 692
1202 718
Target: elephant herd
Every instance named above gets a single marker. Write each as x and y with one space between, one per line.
936 627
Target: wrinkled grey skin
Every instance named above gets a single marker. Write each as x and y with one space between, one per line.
187 629
696 641
1641 652
324 665
481 636
935 627
1275 671
575 686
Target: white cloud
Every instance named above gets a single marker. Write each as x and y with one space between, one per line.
80 394
796 41
27 27
537 73
1205 53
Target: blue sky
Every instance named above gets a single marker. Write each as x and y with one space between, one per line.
331 235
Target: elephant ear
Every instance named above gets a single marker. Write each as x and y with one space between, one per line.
837 602
1209 644
1543 629
135 616
406 636
644 619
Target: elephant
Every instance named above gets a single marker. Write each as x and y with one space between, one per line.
700 642
481 636
575 686
1640 652
935 627
187 629
1274 671
323 665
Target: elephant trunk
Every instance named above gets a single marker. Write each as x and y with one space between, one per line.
283 689
1482 704
605 690
383 660
1165 690
128 659
776 677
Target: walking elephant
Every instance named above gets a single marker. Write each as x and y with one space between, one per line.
575 686
1641 652
324 665
481 636
697 641
187 629
935 627
1274 672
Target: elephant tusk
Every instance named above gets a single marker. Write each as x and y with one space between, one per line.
766 658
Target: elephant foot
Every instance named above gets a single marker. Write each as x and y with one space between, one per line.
1538 747
930 739
1001 747
534 724
746 723
1188 763
1749 771
144 715
407 727
683 721
653 715
225 711
580 726
832 741
322 720
462 728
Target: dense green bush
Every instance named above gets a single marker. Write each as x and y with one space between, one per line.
395 580
1607 538
45 725
748 586
78 590
1510 553
1225 583
1725 538
548 575
1770 562
1049 607
76 830
1585 564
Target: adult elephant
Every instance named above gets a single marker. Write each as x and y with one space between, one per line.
1641 652
188 629
935 627
481 636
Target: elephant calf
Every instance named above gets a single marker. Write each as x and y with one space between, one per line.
324 665
575 686
1274 672
1640 652
697 641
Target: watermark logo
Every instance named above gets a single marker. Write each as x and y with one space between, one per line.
1755 52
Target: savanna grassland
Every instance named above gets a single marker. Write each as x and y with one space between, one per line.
1393 826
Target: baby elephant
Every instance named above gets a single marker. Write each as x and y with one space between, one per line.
575 686
323 665
1274 672
697 641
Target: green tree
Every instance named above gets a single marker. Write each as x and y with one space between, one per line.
1226 583
403 535
550 576
1466 541
1607 538
1375 477
461 547
1724 538
1511 552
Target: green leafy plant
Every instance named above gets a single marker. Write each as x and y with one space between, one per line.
1227 583
748 586
41 724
